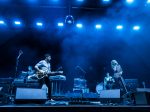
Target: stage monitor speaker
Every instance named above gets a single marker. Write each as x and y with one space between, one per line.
24 95
115 93
110 96
142 98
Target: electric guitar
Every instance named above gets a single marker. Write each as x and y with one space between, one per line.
41 74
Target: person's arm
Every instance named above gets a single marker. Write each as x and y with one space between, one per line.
37 66
105 82
119 69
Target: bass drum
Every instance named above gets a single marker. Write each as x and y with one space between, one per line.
100 87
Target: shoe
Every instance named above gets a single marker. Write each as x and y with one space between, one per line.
52 100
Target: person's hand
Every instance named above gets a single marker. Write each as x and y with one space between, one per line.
42 72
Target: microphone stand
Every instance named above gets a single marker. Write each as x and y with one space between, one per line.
17 62
11 97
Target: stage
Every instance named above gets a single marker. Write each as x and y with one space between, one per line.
72 108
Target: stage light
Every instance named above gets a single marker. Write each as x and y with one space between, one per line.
18 23
2 22
39 24
98 26
60 24
129 1
148 1
55 0
80 0
119 27
136 28
79 25
69 19
106 1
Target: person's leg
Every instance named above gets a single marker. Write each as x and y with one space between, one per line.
47 82
41 82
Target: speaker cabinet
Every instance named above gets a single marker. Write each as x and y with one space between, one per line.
112 96
142 98
24 95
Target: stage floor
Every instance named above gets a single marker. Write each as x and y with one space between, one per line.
72 108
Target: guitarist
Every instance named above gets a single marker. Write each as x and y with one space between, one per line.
44 67
119 81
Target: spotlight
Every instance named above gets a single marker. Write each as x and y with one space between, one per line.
18 23
55 0
79 25
39 24
2 22
69 19
106 1
80 0
98 26
60 24
129 1
119 27
148 1
136 28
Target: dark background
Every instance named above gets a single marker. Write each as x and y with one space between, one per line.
88 48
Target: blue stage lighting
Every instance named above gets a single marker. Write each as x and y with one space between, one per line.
2 22
79 25
106 1
136 28
98 26
119 27
32 1
148 1
18 23
60 24
80 0
4 1
39 24
129 1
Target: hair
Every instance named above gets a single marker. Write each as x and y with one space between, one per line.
47 55
114 63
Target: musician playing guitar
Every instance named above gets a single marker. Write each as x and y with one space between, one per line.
43 69
118 75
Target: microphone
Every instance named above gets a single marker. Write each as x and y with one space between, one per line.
20 53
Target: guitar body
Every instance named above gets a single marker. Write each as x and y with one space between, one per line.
41 75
